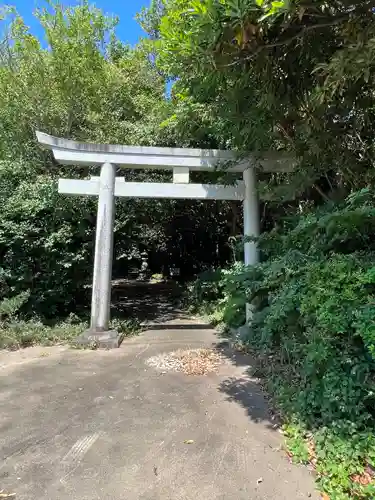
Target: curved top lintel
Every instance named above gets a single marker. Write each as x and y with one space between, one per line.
52 142
74 153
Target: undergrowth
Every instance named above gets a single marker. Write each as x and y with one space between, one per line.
16 333
313 333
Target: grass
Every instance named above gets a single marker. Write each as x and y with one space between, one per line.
18 334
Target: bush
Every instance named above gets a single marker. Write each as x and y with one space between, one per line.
9 306
315 298
15 334
50 237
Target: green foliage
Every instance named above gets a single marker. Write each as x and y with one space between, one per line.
50 238
297 445
285 75
215 296
15 333
207 288
19 333
315 292
11 305
83 83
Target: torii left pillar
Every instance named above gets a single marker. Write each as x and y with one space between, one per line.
99 332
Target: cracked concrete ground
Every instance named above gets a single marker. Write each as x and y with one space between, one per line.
87 425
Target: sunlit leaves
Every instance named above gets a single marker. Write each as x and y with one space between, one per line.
84 85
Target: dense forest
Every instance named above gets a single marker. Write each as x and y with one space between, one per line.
248 75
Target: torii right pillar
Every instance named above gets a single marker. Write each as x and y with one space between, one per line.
251 224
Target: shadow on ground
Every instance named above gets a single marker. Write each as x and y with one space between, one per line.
159 304
145 302
181 326
246 389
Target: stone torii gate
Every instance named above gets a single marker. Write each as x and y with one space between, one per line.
181 161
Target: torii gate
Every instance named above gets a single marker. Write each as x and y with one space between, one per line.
181 161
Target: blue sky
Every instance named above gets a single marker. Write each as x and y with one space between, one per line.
128 29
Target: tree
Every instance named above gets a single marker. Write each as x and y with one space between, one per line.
86 85
83 83
294 76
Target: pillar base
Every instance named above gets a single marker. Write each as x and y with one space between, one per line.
110 339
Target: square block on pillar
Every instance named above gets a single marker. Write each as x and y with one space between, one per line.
181 175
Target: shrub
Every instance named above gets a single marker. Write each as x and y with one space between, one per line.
15 334
51 239
315 298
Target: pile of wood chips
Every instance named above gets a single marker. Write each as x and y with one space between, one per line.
190 361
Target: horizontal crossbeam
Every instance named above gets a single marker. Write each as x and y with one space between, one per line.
155 190
139 161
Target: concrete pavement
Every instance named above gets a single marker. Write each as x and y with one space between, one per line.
87 425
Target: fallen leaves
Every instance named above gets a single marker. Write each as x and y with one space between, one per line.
312 452
190 361
6 495
367 477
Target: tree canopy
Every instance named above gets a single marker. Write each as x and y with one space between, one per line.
293 75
